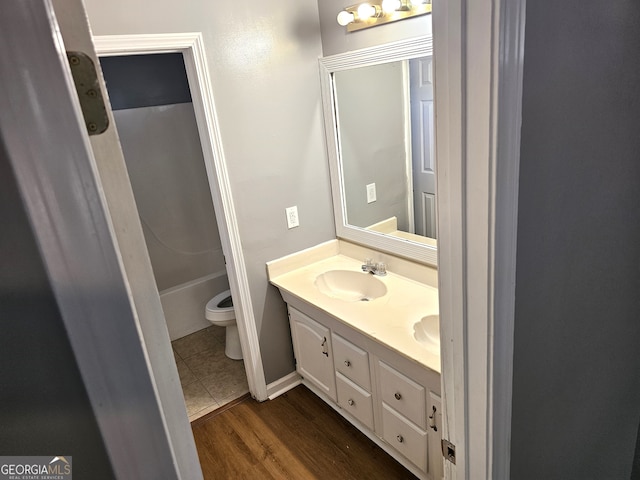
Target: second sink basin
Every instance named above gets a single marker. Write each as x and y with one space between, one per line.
427 332
350 286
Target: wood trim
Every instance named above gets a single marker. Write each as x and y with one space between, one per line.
116 45
392 51
283 385
402 50
449 84
508 83
191 45
406 94
479 55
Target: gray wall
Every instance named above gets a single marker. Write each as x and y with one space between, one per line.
576 390
372 127
164 159
45 408
263 62
335 38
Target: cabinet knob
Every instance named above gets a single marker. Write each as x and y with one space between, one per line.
347 363
397 395
399 438
350 402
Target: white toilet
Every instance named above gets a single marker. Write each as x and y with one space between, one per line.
219 311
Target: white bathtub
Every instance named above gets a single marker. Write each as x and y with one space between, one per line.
184 304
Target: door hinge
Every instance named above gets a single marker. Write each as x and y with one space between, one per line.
87 85
449 451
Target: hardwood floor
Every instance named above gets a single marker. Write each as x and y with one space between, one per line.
295 436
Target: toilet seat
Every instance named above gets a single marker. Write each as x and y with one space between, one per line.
225 317
221 316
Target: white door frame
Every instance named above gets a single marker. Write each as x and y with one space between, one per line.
479 57
191 46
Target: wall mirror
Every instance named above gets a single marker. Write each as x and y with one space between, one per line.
379 123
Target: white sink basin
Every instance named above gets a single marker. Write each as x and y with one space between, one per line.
350 286
427 332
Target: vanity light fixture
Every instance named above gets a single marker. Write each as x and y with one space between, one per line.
367 11
365 15
391 6
345 18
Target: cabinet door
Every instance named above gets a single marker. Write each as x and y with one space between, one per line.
312 347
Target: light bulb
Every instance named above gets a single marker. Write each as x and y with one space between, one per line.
345 18
366 11
390 6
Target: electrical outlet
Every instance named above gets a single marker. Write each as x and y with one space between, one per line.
371 193
292 217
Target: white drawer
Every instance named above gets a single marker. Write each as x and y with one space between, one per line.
403 394
405 437
355 400
351 361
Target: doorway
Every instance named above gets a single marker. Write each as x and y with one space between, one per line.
190 47
157 126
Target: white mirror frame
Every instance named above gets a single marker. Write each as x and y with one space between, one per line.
396 51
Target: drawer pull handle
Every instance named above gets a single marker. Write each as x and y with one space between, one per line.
350 402
399 438
432 420
347 363
325 348
397 395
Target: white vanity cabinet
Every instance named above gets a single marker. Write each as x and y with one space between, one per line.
390 398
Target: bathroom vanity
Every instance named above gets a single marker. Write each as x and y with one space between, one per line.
366 343
360 343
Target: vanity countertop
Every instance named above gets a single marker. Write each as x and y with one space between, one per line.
388 319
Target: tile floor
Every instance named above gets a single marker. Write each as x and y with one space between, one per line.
209 379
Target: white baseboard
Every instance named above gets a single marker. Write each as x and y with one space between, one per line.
282 385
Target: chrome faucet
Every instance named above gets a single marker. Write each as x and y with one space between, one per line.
379 269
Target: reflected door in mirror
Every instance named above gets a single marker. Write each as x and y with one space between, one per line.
422 146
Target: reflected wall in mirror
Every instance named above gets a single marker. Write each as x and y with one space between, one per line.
379 124
384 117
